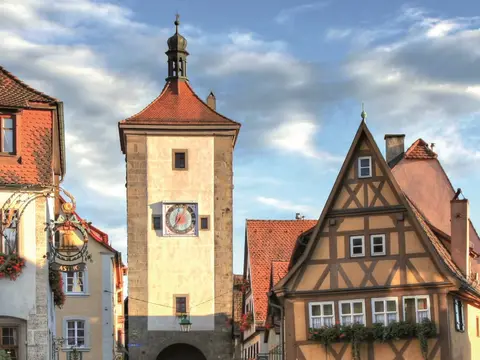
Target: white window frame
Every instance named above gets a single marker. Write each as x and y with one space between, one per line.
351 245
459 313
369 158
385 312
341 315
321 317
384 252
416 306
86 327
74 293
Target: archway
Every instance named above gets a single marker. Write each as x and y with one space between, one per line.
181 352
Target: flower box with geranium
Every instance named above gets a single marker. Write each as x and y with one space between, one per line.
11 266
56 284
243 286
246 322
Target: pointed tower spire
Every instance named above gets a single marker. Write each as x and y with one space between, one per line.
177 54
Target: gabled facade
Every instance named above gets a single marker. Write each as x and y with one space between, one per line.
179 159
268 248
32 160
373 258
92 320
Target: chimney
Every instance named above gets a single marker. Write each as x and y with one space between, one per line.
211 101
395 145
460 228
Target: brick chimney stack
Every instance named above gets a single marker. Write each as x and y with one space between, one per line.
212 101
395 145
460 246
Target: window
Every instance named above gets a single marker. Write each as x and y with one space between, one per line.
181 304
7 141
9 241
478 326
204 222
377 245
365 167
75 283
180 160
76 333
385 310
459 315
352 312
321 314
9 341
119 297
357 246
416 308
157 222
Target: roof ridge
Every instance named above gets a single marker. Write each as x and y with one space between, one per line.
420 142
25 85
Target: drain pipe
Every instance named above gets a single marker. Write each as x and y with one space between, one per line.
281 325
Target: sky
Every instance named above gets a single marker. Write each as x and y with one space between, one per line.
293 73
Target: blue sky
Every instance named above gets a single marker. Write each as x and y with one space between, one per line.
294 73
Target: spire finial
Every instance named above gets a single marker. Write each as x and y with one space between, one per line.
177 22
363 114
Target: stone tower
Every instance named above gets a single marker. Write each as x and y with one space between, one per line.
179 154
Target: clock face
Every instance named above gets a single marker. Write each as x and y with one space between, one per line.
181 219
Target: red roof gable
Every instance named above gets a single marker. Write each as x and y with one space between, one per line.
179 105
268 241
420 150
15 93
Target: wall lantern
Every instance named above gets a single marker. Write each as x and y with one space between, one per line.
185 323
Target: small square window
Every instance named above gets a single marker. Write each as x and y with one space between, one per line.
377 243
357 246
365 167
204 222
181 304
180 160
157 222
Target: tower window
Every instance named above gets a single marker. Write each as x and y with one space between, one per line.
180 160
204 222
181 304
157 222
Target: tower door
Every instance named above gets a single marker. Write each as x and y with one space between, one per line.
181 352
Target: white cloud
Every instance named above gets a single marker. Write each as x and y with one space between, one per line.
288 206
337 34
288 14
441 29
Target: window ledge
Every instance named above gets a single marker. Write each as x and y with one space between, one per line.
10 158
80 349
77 294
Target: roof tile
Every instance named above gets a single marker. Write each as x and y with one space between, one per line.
270 241
179 105
420 150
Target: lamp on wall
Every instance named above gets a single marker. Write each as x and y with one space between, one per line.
185 323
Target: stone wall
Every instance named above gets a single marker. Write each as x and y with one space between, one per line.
137 219
37 324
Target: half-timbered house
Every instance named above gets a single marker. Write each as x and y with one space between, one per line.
375 259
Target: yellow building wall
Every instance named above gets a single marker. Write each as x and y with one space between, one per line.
465 345
181 265
88 307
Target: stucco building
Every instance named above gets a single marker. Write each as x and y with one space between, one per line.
179 157
92 320
394 250
32 159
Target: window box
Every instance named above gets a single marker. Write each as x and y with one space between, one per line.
11 266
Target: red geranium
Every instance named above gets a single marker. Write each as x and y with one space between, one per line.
11 266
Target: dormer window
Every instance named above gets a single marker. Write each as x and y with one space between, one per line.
7 140
365 167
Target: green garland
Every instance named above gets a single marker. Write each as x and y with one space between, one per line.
357 334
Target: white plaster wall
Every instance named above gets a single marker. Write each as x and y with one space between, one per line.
19 295
107 307
181 265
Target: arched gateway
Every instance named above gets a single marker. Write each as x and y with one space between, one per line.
181 352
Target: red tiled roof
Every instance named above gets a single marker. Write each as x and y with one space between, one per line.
237 300
179 105
441 250
279 270
14 92
267 241
420 150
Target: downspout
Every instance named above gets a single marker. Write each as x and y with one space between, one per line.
281 325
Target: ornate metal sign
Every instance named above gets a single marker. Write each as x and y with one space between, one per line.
69 250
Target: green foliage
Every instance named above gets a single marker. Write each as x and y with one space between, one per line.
4 355
357 334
